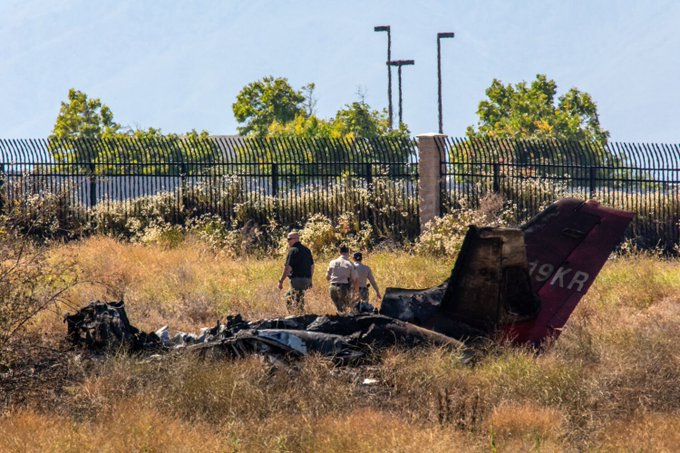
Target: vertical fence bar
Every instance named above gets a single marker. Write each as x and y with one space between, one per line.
275 179
275 191
496 177
2 186
93 185
593 181
369 177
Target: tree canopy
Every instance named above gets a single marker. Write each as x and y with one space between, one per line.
355 121
263 102
83 117
271 107
276 110
531 111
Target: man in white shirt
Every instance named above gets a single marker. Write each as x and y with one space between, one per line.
364 277
342 277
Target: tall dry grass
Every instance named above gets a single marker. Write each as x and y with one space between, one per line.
191 285
608 383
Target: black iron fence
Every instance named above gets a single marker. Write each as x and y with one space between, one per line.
643 178
111 183
266 180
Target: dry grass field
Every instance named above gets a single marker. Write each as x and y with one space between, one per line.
609 383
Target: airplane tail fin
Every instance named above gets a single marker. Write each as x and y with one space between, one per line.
566 246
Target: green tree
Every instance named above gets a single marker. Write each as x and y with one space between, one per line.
356 120
83 117
86 137
150 151
263 102
525 131
531 111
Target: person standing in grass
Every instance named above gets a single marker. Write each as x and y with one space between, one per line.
364 278
299 268
342 278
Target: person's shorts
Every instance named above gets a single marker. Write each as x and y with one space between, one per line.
363 293
300 283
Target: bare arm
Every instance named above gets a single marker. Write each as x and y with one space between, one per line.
286 272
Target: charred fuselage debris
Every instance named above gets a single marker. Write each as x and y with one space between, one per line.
102 326
105 326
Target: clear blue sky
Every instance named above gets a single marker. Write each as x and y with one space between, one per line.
178 65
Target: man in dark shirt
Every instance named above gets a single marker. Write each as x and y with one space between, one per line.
299 268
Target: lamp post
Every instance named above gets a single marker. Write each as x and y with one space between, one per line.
439 75
399 64
389 68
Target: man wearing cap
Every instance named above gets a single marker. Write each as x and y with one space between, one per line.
342 278
364 277
299 268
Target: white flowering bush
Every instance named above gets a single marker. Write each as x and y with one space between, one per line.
319 234
323 237
443 236
43 214
358 235
163 234
129 219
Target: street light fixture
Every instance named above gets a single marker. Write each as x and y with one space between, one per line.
439 75
399 64
389 68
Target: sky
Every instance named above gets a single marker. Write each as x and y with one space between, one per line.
179 65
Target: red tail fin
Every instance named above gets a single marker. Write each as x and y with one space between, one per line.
567 245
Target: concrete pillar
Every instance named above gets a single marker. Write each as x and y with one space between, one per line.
431 148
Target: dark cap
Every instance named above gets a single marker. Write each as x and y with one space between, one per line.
357 256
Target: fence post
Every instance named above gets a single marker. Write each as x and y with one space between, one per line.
430 157
93 186
593 183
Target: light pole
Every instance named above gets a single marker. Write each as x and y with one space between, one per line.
439 75
399 64
389 68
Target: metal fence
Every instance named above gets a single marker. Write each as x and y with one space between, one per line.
643 178
376 181
266 180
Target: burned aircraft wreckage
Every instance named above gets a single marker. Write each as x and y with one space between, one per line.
520 285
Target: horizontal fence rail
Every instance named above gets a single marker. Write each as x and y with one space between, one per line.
643 178
285 181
